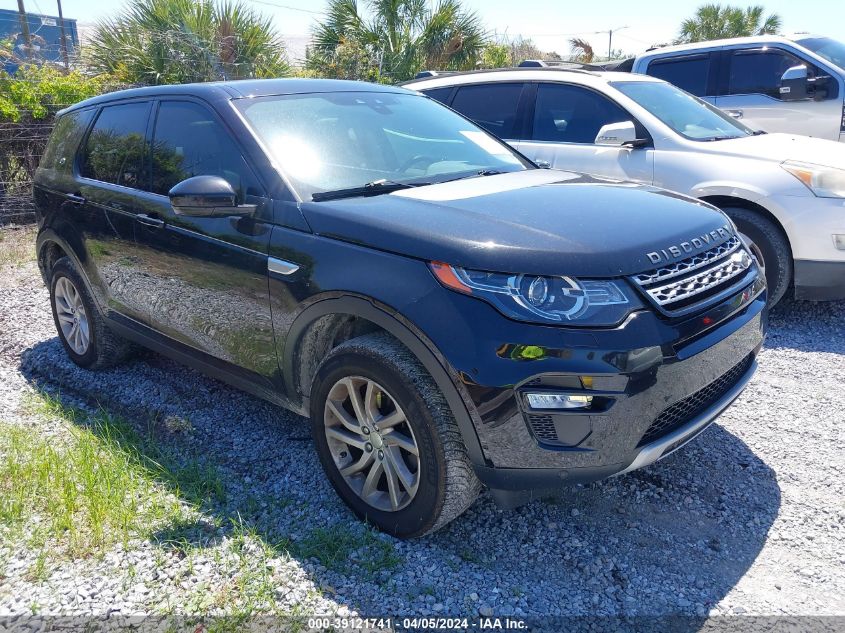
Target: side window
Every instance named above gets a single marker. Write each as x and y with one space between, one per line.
439 94
571 114
114 151
759 71
492 106
689 73
66 136
189 141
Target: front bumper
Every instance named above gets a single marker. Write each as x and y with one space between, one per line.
811 224
636 372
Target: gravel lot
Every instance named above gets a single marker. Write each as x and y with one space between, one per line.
748 519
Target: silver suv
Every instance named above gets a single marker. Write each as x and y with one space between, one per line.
778 84
785 193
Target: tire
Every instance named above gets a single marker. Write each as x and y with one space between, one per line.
446 484
770 244
102 348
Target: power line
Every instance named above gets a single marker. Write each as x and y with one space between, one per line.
286 6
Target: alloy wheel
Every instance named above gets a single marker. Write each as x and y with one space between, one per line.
73 320
372 443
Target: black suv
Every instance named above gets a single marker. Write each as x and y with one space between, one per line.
447 314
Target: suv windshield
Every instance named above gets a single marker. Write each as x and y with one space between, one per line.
326 142
689 116
832 50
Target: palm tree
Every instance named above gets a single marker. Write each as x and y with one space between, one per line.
394 39
714 21
178 41
582 50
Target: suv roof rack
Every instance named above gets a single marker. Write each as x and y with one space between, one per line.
570 67
557 63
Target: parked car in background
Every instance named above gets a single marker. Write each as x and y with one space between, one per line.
777 84
786 193
446 314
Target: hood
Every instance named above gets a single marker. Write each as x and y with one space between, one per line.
541 222
781 147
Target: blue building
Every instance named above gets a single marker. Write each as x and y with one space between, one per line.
45 33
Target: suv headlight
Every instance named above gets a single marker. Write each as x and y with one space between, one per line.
824 182
544 299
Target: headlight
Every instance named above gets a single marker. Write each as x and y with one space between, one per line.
544 299
825 182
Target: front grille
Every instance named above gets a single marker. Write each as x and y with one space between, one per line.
692 281
680 413
543 427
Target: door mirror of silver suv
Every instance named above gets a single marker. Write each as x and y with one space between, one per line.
205 196
794 83
619 135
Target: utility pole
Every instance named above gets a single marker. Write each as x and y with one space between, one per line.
27 39
610 40
64 39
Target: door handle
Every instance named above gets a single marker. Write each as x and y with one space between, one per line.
75 198
146 220
737 114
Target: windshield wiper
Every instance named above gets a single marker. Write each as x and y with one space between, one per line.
475 174
721 138
758 132
373 188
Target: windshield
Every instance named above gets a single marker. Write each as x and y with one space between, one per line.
338 140
832 50
689 116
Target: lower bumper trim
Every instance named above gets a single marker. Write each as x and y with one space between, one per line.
819 280
673 441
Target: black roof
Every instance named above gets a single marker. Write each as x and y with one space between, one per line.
241 88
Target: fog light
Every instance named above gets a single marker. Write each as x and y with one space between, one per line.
558 401
839 241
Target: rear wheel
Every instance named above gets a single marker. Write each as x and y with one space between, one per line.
387 439
769 247
81 328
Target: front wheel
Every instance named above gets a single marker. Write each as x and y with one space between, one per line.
769 247
387 439
82 330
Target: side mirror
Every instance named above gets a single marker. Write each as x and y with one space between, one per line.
794 83
619 135
206 196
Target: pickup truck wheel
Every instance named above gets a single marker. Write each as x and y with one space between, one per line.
387 439
82 330
769 246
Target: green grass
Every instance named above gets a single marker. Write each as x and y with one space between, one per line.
97 484
17 246
334 549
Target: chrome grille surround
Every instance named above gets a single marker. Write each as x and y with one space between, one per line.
675 287
688 265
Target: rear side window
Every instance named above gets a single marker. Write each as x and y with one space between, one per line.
492 106
189 141
114 151
760 71
572 114
689 73
65 139
439 94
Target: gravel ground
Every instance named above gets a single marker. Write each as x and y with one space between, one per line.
748 519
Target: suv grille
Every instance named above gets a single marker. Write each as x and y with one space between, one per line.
680 413
693 280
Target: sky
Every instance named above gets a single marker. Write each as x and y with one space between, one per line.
549 23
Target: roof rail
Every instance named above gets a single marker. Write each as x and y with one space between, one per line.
569 67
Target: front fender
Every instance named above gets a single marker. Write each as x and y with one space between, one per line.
406 333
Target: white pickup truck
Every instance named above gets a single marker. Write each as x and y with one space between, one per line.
777 84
